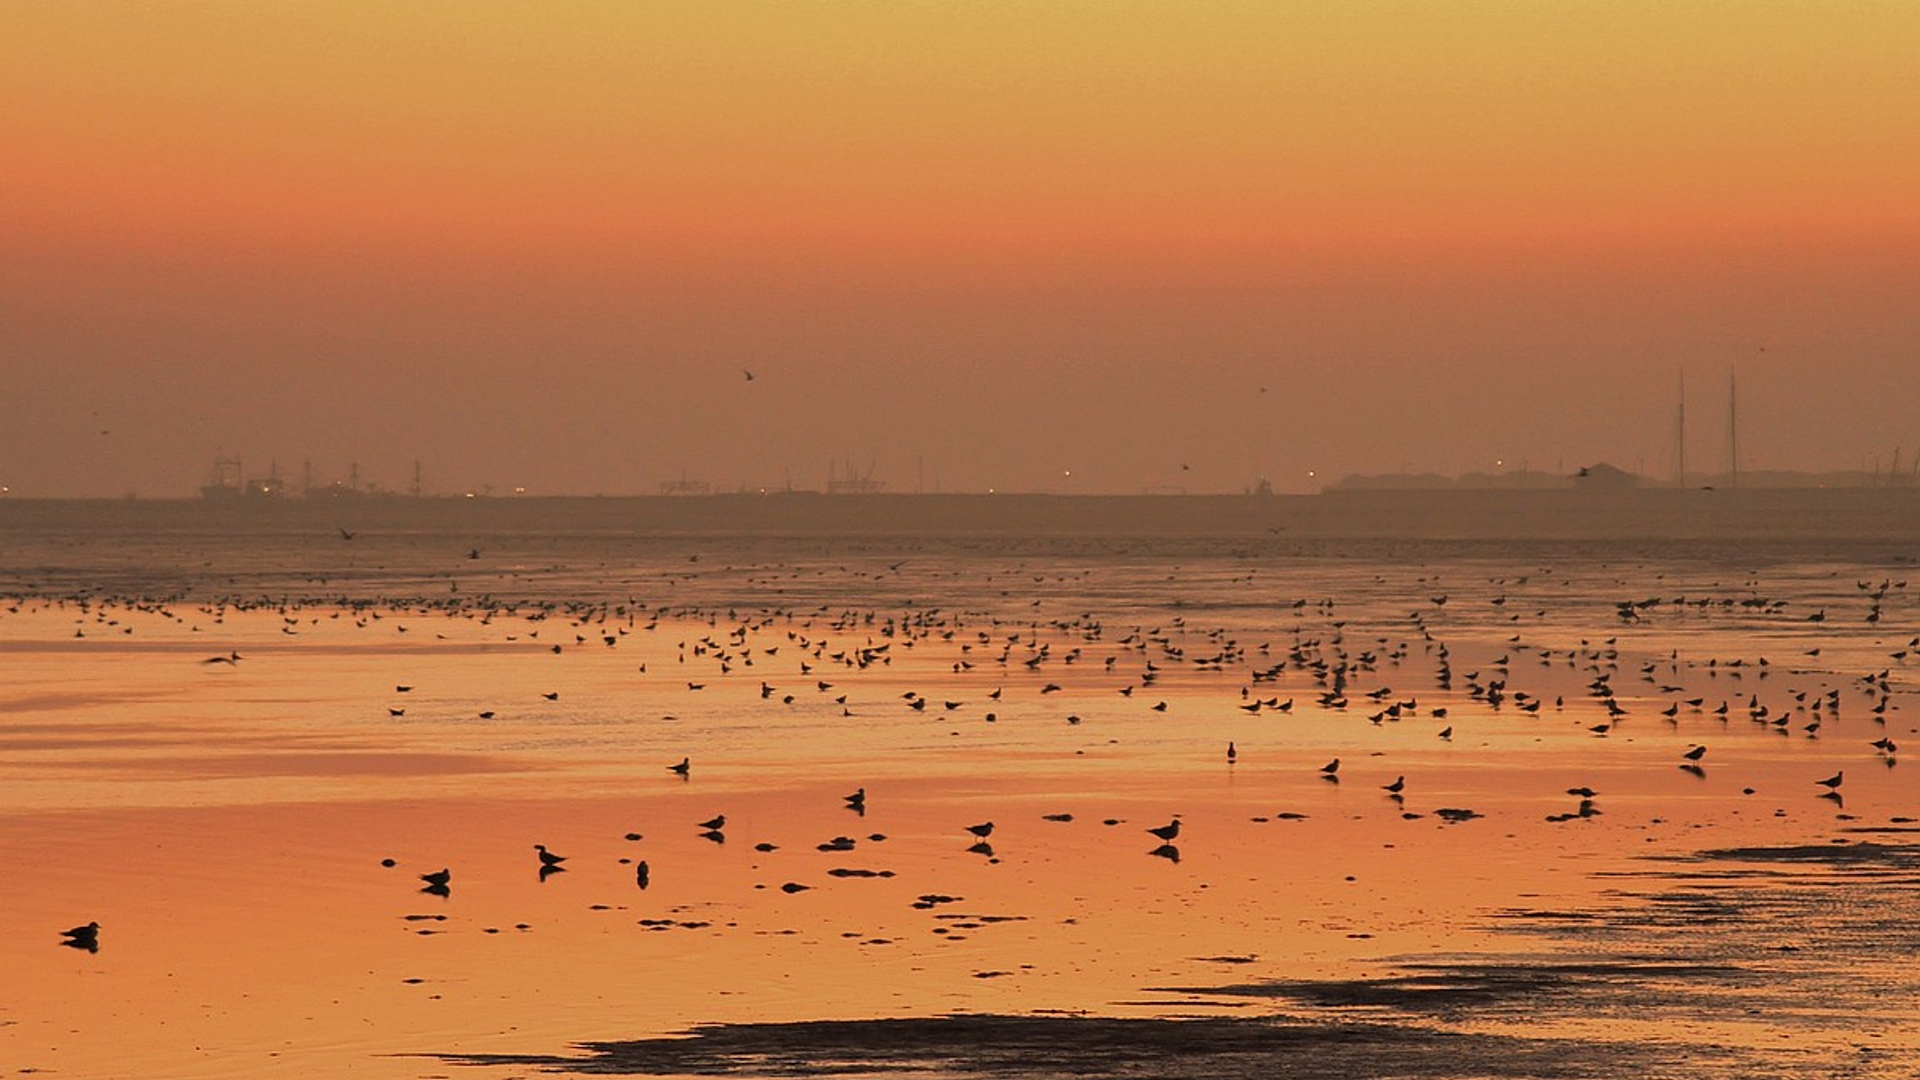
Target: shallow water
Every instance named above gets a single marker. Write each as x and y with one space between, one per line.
225 822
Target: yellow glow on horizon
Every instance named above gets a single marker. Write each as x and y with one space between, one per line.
1139 124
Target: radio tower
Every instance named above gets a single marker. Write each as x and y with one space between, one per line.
1733 432
1680 436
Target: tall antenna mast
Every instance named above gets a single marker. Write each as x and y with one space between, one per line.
1733 431
1680 436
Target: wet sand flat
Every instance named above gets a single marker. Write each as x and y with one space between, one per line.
214 767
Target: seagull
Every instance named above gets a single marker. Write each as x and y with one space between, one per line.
857 800
715 823
982 830
1168 831
685 767
548 858
1331 767
438 879
1399 785
1832 783
83 937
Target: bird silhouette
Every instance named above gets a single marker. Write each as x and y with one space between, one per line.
82 937
715 823
1399 785
548 858
857 802
682 769
1168 831
982 830
439 878
1695 754
1832 783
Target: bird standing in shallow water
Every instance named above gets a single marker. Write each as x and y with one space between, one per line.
1832 783
548 858
1168 831
682 769
439 878
82 937
982 830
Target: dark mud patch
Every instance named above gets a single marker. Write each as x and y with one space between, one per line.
1475 988
1866 854
1046 1046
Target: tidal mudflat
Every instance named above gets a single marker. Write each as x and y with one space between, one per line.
1255 807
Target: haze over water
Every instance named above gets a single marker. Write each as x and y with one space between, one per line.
225 820
1099 247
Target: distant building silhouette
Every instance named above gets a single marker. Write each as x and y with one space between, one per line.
1604 477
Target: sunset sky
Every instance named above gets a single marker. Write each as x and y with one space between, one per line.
1100 246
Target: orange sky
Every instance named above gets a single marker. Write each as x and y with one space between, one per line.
1077 235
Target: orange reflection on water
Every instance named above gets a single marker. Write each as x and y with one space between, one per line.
226 824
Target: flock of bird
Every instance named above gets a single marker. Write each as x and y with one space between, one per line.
830 654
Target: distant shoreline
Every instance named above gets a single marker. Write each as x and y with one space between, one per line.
1838 514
